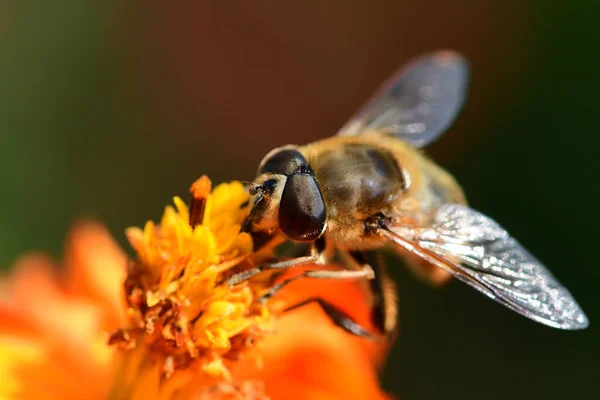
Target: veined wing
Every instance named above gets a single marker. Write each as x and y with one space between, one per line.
479 252
419 102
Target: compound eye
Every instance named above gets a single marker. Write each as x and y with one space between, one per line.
302 211
282 161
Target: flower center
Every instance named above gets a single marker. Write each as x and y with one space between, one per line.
182 316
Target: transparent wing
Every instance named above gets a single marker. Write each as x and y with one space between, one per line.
479 252
419 102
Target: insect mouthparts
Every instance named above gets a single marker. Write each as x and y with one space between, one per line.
255 189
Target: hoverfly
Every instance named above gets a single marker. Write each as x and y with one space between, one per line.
369 187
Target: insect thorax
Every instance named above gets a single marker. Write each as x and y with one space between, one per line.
358 180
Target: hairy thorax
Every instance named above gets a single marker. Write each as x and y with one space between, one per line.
357 180
362 176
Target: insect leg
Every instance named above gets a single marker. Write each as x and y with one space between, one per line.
337 316
316 256
384 310
364 273
294 262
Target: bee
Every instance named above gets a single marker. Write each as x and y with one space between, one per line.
370 187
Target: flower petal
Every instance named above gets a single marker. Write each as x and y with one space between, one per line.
97 269
310 358
49 337
34 291
14 353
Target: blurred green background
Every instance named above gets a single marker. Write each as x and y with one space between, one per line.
109 109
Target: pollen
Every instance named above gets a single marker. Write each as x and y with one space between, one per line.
181 313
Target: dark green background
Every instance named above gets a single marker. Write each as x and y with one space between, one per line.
110 110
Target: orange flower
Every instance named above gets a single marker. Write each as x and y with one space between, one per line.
165 326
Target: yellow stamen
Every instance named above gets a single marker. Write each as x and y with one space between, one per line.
184 321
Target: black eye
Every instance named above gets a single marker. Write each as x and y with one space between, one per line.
284 162
302 210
